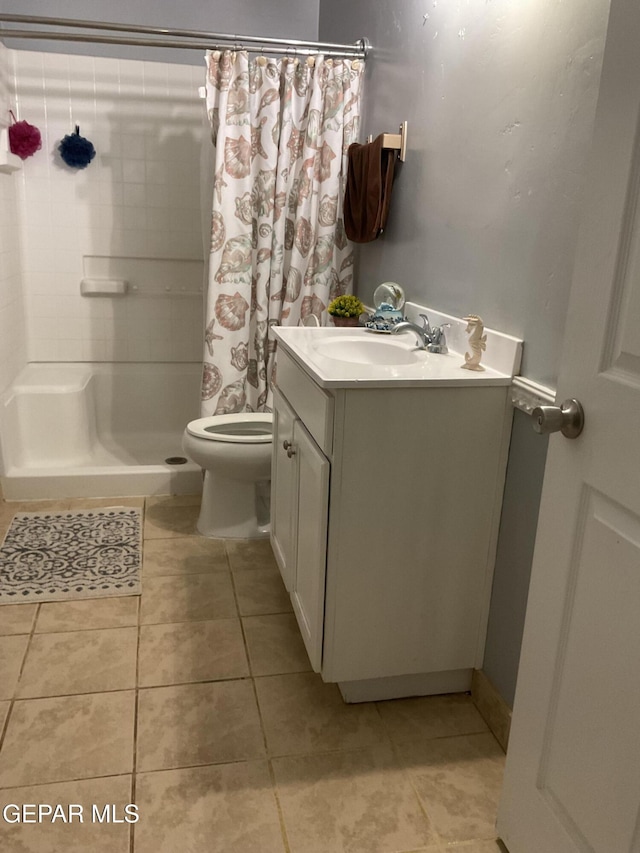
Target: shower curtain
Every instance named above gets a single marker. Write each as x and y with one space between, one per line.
281 130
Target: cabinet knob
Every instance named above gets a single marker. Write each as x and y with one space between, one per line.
290 451
287 444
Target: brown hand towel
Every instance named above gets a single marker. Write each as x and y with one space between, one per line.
368 194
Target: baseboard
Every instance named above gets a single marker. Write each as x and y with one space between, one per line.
494 710
401 686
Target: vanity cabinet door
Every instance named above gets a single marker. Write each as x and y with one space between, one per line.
284 491
311 555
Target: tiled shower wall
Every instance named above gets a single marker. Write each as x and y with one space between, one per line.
13 350
137 203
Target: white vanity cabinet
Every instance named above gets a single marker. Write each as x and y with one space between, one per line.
385 504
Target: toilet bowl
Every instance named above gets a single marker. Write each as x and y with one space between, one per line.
235 452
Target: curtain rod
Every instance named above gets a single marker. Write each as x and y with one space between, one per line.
209 40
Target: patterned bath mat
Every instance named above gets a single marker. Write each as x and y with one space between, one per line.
62 556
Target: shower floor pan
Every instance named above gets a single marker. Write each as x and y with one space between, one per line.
92 430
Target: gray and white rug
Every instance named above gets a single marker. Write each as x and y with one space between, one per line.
60 556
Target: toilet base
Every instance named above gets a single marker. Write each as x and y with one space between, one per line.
233 509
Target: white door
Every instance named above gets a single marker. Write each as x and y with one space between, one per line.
311 554
573 765
284 495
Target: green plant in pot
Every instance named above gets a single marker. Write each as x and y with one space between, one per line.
346 310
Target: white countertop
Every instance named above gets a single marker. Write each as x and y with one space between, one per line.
423 369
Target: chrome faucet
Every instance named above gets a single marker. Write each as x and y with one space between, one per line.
423 333
433 340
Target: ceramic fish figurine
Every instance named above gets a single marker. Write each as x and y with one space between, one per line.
477 342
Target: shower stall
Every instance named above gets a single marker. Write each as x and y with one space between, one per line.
112 260
98 429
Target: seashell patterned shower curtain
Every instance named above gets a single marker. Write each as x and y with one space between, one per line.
281 130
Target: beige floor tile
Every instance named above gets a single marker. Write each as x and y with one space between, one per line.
261 591
475 847
194 724
12 651
74 837
80 662
99 503
191 651
275 645
458 780
176 598
302 714
185 556
37 506
169 501
68 737
250 554
163 522
350 801
409 720
4 710
82 615
229 808
17 618
431 848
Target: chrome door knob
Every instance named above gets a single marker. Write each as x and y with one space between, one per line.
567 419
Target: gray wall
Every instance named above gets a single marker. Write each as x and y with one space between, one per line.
289 18
500 99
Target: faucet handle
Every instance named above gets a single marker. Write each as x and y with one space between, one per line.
425 323
438 332
438 342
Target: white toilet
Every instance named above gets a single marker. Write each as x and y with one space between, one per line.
235 452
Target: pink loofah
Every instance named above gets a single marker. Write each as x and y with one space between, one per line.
24 139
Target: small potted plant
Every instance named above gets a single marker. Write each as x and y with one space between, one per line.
346 310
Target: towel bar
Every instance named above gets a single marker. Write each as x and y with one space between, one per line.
395 140
526 394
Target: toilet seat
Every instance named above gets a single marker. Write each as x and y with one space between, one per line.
247 428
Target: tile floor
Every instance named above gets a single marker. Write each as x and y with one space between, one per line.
196 702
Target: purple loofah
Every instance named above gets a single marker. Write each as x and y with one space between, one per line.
76 151
24 139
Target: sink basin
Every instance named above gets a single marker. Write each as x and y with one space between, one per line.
358 358
357 350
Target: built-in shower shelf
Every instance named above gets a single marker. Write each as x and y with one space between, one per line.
172 278
169 293
103 287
